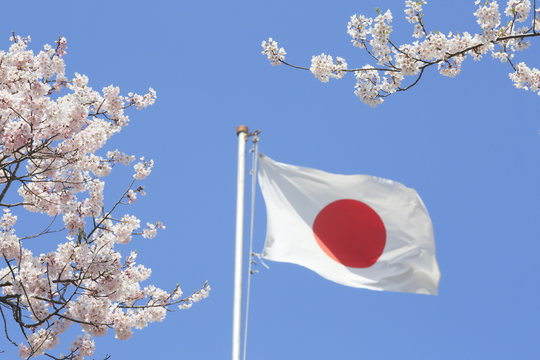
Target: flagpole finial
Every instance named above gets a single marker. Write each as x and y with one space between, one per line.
241 129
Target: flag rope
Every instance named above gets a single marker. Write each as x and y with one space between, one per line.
253 172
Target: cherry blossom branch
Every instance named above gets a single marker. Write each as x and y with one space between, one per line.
427 63
83 280
448 51
106 217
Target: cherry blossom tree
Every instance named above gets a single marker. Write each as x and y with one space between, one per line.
52 134
400 67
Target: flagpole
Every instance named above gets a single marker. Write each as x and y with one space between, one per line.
242 133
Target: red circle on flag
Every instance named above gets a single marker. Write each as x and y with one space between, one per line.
350 232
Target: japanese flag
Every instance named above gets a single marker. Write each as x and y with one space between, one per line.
356 230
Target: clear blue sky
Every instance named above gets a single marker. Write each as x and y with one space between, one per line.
470 146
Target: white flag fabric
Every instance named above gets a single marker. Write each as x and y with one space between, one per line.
356 230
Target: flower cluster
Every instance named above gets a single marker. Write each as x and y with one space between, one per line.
489 19
358 29
9 242
203 293
142 101
143 169
380 33
273 53
526 78
324 67
396 63
61 46
518 9
52 134
413 12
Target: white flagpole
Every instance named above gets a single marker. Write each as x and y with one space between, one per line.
242 133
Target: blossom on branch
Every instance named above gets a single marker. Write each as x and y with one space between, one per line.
53 131
143 169
526 78
324 67
358 28
413 12
273 53
518 9
400 67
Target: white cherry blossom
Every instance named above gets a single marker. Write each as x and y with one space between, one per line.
275 54
324 67
400 67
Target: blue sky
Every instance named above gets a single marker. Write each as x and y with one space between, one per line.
470 146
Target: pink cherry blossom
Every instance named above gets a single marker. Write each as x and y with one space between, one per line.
54 161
